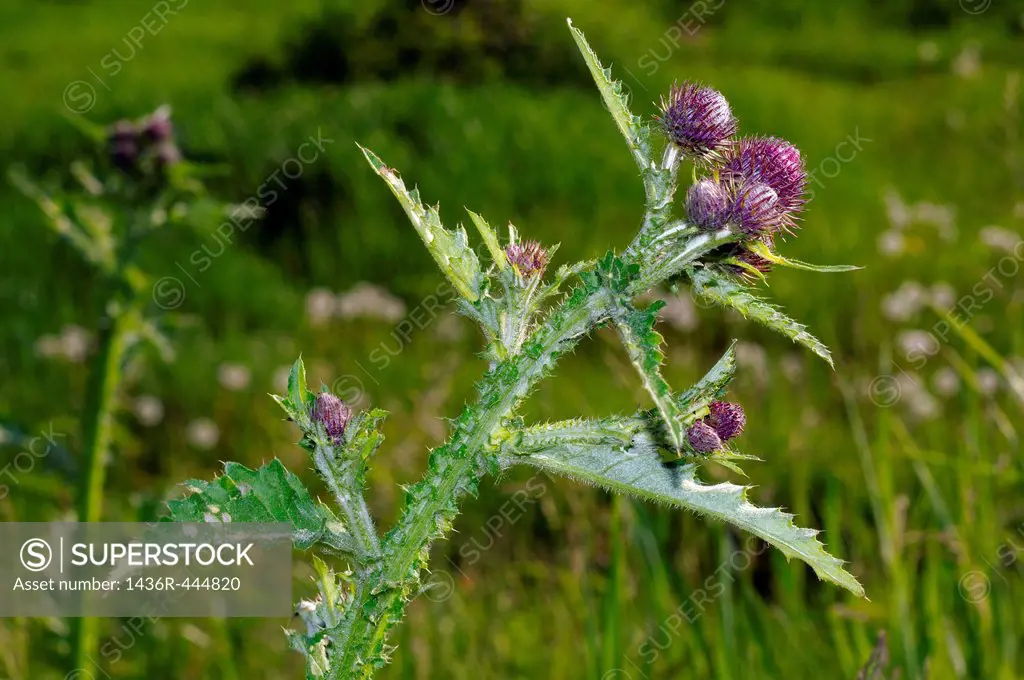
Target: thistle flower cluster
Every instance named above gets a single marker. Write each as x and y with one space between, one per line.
725 421
132 143
757 184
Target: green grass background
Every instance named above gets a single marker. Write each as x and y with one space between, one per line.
927 510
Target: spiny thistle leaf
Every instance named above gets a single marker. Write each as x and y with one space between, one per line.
695 400
300 397
618 431
450 249
640 472
643 345
615 99
761 249
490 240
268 494
726 292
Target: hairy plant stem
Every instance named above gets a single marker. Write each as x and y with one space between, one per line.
104 381
453 470
384 586
352 505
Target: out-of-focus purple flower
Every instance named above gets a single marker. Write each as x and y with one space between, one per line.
703 438
527 257
332 413
167 153
727 419
158 127
707 204
698 120
774 162
755 210
124 146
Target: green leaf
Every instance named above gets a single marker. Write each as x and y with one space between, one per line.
762 249
724 291
268 494
55 209
300 399
618 431
643 345
639 472
450 249
490 240
616 101
712 386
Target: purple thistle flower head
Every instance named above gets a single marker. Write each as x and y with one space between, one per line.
727 419
698 120
707 204
755 209
703 438
332 413
527 257
774 162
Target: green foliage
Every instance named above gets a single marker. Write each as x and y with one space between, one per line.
636 134
268 494
490 240
695 401
759 248
722 289
643 345
638 471
450 249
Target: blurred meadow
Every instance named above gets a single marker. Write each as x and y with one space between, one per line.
908 455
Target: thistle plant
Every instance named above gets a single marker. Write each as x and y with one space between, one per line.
718 238
136 186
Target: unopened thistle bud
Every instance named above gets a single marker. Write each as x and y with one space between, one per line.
727 419
755 209
527 257
332 413
707 205
703 438
124 147
774 162
698 120
158 126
